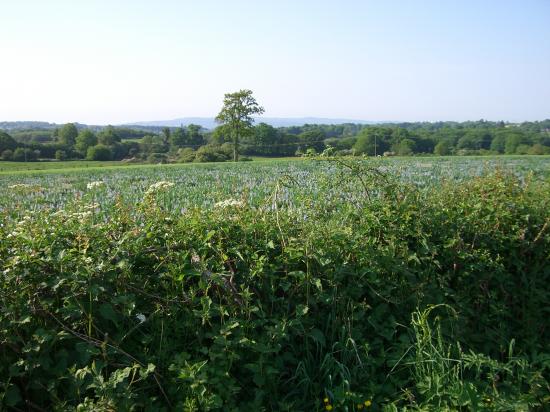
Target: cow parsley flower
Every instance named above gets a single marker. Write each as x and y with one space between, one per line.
95 185
229 203
19 186
159 187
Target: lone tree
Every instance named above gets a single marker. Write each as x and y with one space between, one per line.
236 114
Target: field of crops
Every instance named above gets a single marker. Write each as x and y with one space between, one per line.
205 185
328 284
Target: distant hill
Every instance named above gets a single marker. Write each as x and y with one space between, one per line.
210 123
34 125
206 122
26 125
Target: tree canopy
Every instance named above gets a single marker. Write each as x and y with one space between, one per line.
236 114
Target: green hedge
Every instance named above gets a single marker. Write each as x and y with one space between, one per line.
249 309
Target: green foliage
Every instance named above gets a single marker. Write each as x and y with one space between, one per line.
157 158
99 152
313 289
24 155
443 148
152 144
513 140
405 147
405 139
7 155
85 139
108 136
67 134
60 155
194 135
236 115
312 140
178 138
213 153
372 141
7 142
186 155
447 378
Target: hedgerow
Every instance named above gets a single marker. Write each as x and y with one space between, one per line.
403 298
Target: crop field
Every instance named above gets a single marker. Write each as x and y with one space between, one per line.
312 285
254 182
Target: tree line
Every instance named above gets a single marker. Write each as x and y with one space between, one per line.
194 143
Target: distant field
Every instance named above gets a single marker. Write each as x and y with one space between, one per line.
13 167
78 164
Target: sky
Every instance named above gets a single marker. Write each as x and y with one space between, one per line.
118 61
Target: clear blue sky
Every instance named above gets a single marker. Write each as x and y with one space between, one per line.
114 61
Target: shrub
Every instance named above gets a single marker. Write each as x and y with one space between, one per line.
60 155
99 152
157 158
538 149
212 153
24 155
186 155
7 154
7 142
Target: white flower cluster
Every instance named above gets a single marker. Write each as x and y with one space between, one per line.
81 216
25 219
20 226
158 187
19 186
25 187
141 317
94 185
229 203
86 211
15 233
58 213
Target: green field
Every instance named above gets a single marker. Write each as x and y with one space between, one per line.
330 284
10 167
7 168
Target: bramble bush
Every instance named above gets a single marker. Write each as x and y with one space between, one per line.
412 299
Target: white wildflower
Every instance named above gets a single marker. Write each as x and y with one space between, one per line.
19 186
94 185
229 203
158 187
23 187
81 216
195 259
24 220
141 317
91 206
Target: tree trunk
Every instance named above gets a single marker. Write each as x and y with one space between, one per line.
236 147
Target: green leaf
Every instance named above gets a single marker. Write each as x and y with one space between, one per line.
317 336
107 312
301 310
12 396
